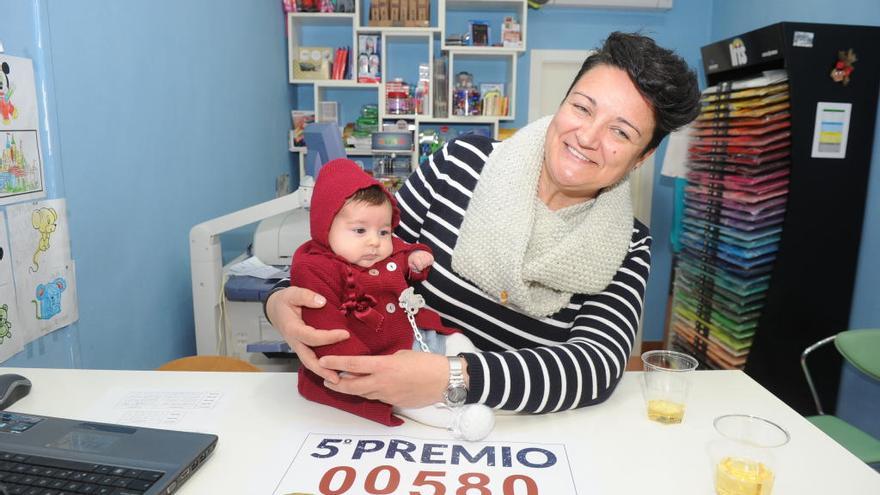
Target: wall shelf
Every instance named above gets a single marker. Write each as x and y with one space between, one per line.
489 64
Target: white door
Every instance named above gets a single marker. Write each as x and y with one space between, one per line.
550 75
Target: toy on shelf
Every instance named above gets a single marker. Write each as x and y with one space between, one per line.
344 5
493 102
368 59
465 96
422 90
511 33
358 134
441 98
300 118
461 39
429 143
479 33
397 99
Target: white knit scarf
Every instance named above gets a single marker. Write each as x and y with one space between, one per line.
493 244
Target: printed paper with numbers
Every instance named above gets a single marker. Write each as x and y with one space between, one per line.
338 464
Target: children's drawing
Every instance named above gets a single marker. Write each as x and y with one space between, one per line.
45 281
5 258
48 300
39 235
45 221
7 108
5 324
21 168
13 335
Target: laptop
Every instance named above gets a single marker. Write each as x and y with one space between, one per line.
57 455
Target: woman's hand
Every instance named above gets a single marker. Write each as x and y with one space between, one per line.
284 309
406 378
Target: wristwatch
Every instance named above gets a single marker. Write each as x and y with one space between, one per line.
456 391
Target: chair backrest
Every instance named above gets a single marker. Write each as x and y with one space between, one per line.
208 363
862 349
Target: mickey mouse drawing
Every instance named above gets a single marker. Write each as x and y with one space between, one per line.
7 109
49 297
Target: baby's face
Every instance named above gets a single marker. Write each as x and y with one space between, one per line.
361 233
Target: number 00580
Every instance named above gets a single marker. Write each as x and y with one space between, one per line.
342 478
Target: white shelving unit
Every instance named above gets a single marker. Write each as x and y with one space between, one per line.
516 8
297 22
302 26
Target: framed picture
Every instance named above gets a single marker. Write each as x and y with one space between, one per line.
479 33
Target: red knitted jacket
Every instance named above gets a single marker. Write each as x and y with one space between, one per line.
362 300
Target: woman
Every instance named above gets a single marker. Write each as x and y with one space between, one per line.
538 257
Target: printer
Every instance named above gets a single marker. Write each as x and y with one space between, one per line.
227 308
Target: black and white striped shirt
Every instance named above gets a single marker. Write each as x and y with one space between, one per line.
571 359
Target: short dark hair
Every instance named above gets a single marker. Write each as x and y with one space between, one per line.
662 77
372 195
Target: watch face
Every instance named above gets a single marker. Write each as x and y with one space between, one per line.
456 395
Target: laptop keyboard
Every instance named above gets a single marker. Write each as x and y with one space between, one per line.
36 475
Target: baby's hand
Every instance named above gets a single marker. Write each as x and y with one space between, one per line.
419 260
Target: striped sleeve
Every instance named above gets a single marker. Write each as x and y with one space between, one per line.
583 370
440 189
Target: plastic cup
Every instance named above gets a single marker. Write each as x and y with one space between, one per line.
665 384
743 460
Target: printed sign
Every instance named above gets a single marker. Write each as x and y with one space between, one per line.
329 464
831 130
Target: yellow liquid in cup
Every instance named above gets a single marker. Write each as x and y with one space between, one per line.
664 411
737 476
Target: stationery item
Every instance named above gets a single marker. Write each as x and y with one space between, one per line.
767 78
742 130
746 112
730 105
740 170
742 158
753 121
745 140
746 93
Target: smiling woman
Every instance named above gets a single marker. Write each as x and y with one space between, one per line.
538 258
599 135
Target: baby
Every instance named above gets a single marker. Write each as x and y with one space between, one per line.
362 269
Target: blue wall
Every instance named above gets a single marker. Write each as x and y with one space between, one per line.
24 27
165 114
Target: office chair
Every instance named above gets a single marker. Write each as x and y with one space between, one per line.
208 363
861 348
